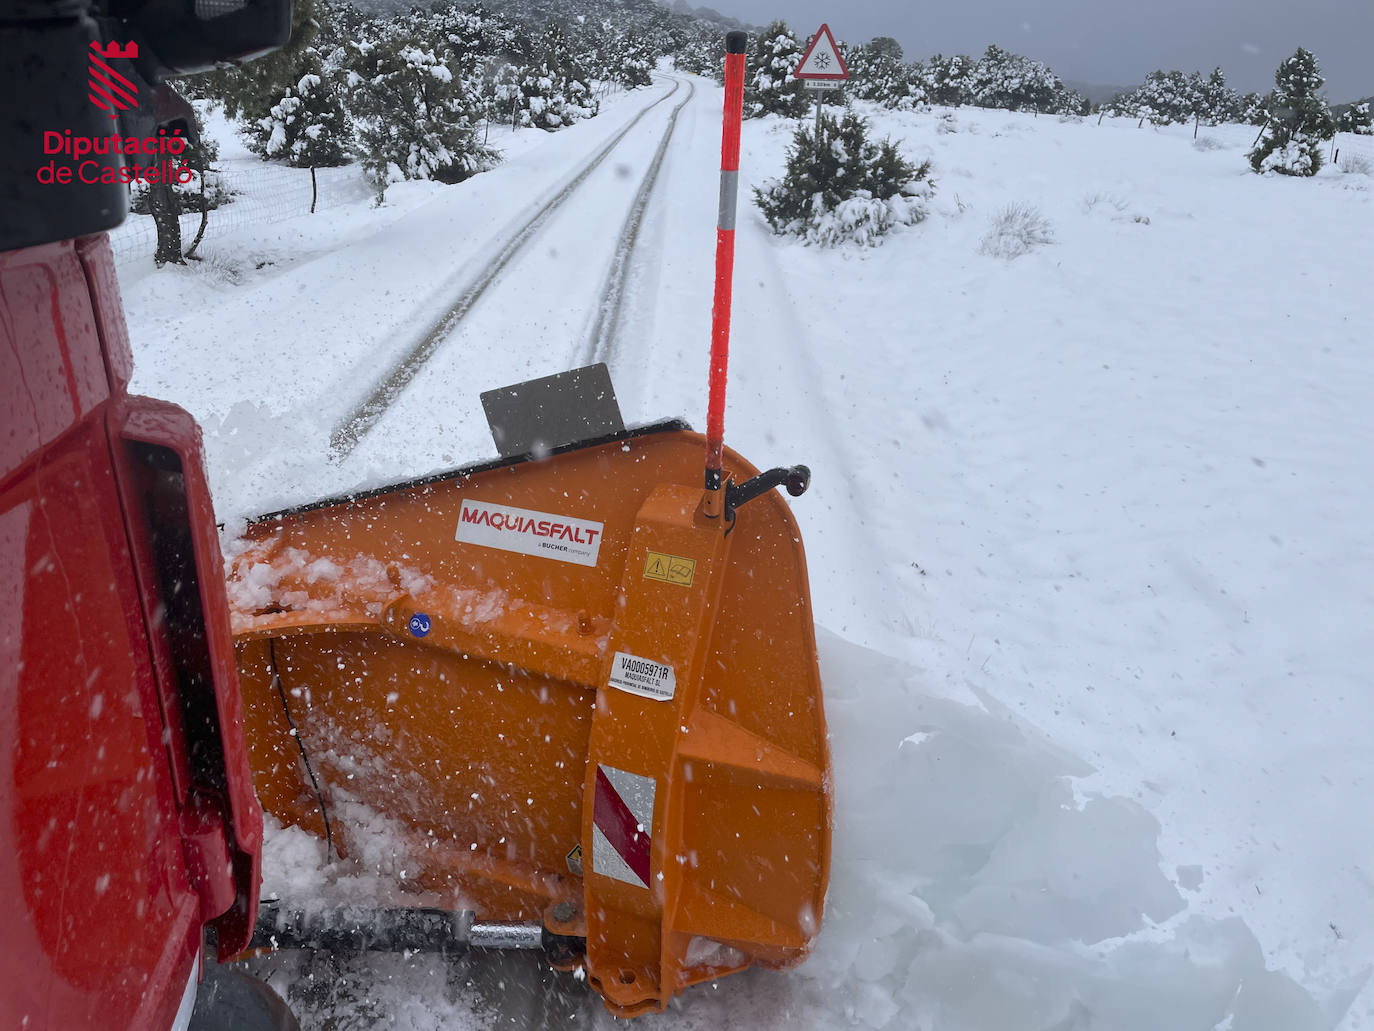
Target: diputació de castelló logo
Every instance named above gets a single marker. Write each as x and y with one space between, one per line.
77 159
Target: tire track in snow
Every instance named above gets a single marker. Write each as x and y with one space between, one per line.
364 416
601 343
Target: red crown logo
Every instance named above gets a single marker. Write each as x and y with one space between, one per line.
109 90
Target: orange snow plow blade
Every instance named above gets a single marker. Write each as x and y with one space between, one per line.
591 707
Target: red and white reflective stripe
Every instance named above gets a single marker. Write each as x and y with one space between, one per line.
622 825
725 255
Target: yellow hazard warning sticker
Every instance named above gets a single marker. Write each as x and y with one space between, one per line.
671 569
574 860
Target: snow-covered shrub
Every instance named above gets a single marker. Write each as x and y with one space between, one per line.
876 73
415 118
769 86
1091 201
1356 118
1356 164
946 124
849 189
307 127
552 92
1005 80
945 80
1298 122
1015 230
1208 143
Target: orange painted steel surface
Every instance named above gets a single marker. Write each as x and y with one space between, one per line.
460 693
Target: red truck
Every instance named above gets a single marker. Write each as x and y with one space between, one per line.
130 836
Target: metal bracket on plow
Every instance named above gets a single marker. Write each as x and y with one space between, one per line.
362 929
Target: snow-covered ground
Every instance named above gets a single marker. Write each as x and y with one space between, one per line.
1089 539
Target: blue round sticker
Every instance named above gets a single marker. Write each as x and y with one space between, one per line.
419 625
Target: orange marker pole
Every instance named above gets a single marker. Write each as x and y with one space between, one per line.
725 266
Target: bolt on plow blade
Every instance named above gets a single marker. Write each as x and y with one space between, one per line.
591 706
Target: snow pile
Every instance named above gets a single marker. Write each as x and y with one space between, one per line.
974 888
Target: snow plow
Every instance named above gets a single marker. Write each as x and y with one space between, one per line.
578 685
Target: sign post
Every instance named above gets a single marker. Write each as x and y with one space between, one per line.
822 67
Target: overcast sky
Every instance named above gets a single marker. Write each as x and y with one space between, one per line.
1109 41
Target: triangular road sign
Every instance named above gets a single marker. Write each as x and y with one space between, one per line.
822 59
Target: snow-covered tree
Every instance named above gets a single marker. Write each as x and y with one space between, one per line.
698 49
1298 121
847 188
1356 118
769 86
1163 98
1005 80
415 119
552 91
1219 102
1252 109
946 80
630 57
876 73
308 127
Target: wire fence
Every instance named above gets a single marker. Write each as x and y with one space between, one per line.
261 193
258 193
1345 149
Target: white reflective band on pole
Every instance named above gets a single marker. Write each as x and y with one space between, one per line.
729 195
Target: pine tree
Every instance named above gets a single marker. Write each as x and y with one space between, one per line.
1220 103
848 188
308 127
1356 119
1005 80
1298 120
552 91
769 86
415 120
876 73
947 80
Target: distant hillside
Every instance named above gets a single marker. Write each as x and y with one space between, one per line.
704 13
1096 92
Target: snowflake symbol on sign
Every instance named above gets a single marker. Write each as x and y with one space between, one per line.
822 61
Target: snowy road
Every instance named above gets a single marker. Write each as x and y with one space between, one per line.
533 230
1088 538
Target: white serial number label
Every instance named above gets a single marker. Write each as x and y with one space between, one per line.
523 530
643 677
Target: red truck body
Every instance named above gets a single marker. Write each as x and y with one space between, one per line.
128 823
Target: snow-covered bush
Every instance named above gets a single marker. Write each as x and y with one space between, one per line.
1015 230
1298 122
945 80
307 127
1208 143
552 91
769 86
876 73
1004 80
415 118
1356 119
849 189
1356 164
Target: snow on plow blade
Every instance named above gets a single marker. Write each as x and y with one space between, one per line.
593 707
